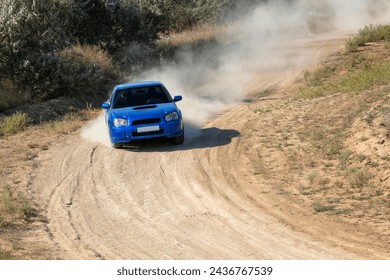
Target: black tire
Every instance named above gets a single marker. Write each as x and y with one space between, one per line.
117 145
178 140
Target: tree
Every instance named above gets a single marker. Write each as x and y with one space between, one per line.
28 29
109 23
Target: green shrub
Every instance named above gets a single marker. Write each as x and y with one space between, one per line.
5 255
10 95
316 78
30 32
13 124
13 209
321 207
370 76
112 24
369 34
28 27
358 178
71 71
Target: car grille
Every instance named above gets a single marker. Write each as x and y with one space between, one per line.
135 134
147 121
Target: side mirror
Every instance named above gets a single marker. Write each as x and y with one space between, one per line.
177 98
106 106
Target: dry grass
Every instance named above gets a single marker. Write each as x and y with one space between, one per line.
5 255
355 71
369 34
13 124
350 133
358 178
85 70
322 83
70 122
338 144
200 33
196 39
22 152
322 207
13 209
90 54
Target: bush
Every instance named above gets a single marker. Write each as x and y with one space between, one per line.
369 34
30 32
42 55
13 124
111 24
28 27
13 209
321 207
74 70
179 15
359 178
85 69
37 56
10 95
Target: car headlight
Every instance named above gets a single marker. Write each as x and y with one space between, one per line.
120 122
172 117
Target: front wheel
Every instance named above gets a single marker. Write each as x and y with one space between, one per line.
117 145
178 140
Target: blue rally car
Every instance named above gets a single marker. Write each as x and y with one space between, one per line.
142 111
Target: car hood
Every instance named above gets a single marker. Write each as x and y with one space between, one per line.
145 111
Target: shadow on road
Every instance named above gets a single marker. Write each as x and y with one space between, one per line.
196 138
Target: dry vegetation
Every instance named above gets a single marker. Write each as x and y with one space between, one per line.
335 137
357 71
369 34
13 124
20 152
71 47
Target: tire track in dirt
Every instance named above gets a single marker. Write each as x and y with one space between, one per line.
163 215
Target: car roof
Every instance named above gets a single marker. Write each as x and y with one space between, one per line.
137 84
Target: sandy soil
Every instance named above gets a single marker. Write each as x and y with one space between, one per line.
231 193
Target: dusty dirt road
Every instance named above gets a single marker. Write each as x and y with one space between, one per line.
201 200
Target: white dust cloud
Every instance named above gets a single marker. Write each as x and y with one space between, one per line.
96 131
261 53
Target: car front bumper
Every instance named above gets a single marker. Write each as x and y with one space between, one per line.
139 132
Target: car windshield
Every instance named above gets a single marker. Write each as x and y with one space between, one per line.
131 97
